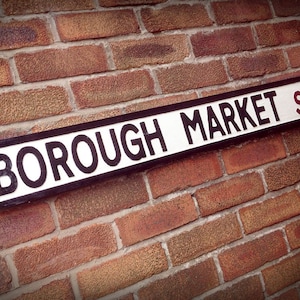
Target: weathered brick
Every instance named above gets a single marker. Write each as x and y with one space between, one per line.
185 284
58 289
238 11
247 289
9 133
292 140
127 297
278 33
5 276
222 41
100 199
81 26
247 257
157 219
271 211
282 274
32 104
229 193
253 154
282 76
156 50
283 174
122 272
56 255
293 234
18 34
5 74
256 64
57 63
294 57
291 294
184 173
186 76
286 8
202 239
109 3
24 223
113 89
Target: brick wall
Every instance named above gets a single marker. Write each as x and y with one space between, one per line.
216 225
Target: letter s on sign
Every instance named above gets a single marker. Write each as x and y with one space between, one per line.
297 100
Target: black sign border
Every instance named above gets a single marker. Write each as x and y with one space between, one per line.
141 114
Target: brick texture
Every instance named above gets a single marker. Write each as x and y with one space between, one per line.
113 89
222 41
5 74
285 8
154 220
241 11
158 50
229 193
292 140
290 295
185 284
109 3
5 276
175 17
293 54
64 63
183 173
82 26
202 239
253 154
24 223
185 77
100 199
271 211
32 104
58 289
282 274
122 272
90 242
293 234
247 257
247 289
18 34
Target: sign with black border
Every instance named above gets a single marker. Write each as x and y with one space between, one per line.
47 163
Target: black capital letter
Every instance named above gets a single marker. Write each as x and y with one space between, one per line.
243 113
270 95
212 117
228 118
259 109
7 172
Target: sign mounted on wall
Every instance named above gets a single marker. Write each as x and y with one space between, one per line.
47 163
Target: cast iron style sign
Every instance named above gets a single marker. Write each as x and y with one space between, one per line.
47 163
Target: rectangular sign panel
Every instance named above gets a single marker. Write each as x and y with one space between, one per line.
50 162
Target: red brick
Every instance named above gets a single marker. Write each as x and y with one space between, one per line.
127 297
282 274
109 3
229 193
202 239
278 33
256 64
24 7
292 73
122 272
291 294
18 34
293 234
5 276
184 173
294 57
68 62
17 106
292 140
157 219
100 199
247 289
239 11
270 212
24 223
222 41
253 154
56 255
9 133
283 174
82 26
175 17
5 74
286 8
156 50
186 76
185 284
247 257
58 289
113 89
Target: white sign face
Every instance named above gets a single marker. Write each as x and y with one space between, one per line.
47 163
